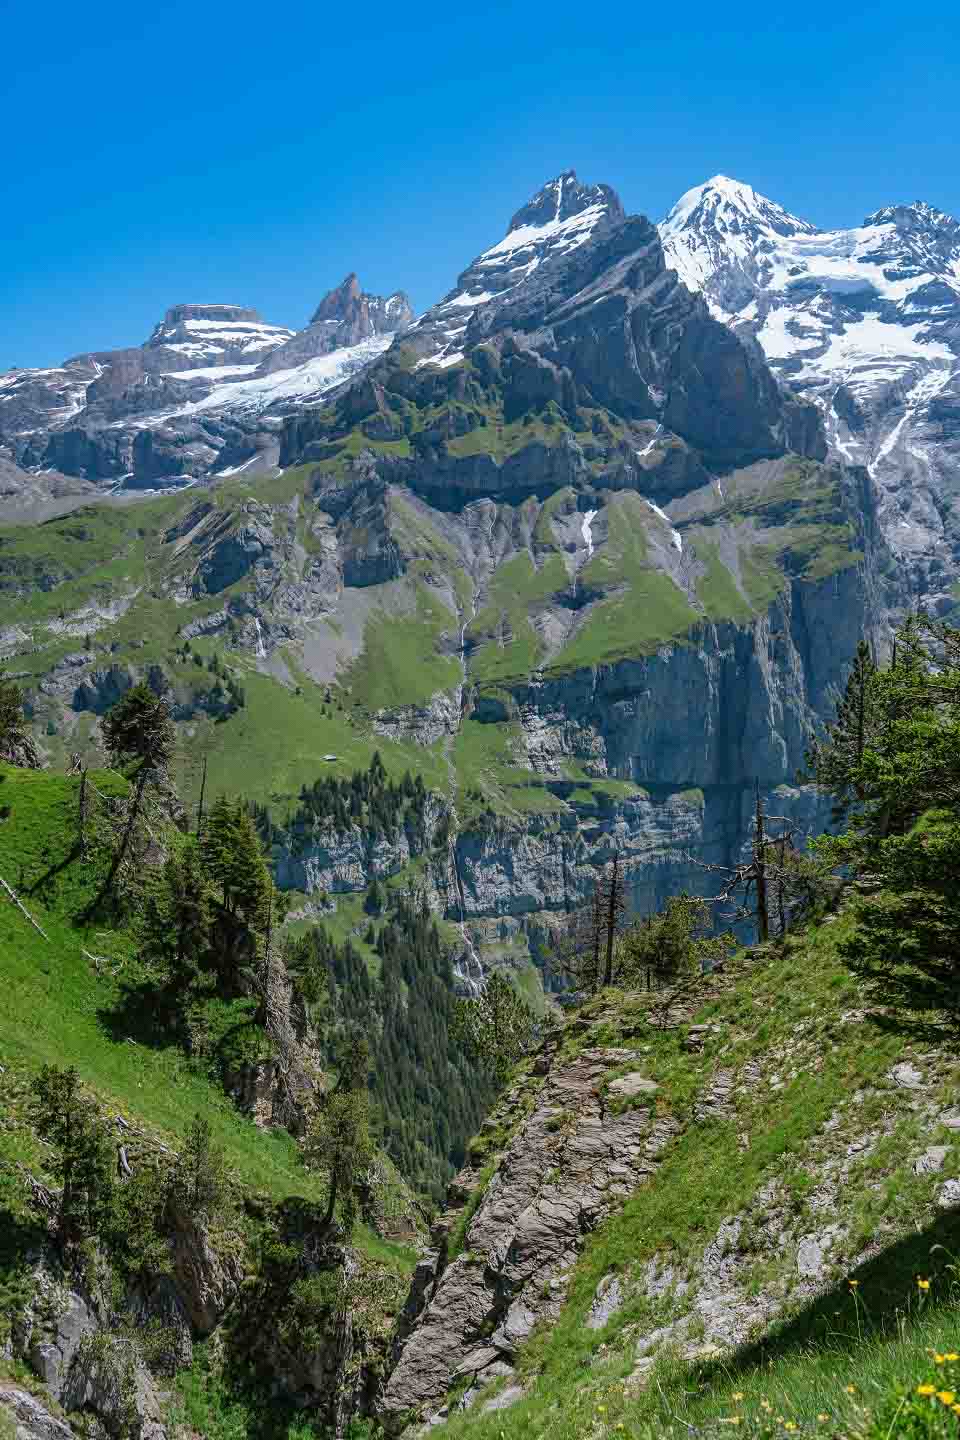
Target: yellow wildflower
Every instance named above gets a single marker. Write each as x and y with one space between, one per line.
851 1389
853 1284
790 1425
823 1418
601 1409
955 1409
946 1397
738 1394
939 1359
951 1355
923 1284
926 1389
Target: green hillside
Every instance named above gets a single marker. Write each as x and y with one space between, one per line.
55 1001
792 1020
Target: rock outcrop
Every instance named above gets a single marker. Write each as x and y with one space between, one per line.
570 1160
32 1420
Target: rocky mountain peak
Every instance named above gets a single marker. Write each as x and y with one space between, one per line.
730 207
865 322
918 216
366 314
564 197
178 314
559 219
337 303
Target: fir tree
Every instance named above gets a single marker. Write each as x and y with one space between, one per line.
16 747
137 728
497 1028
338 1140
235 865
69 1119
175 927
834 758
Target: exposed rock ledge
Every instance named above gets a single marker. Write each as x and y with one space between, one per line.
569 1163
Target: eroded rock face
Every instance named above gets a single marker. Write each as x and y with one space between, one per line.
109 1378
568 1165
207 1277
52 1331
32 1420
344 861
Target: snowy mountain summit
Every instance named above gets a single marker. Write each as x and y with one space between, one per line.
865 322
561 217
204 395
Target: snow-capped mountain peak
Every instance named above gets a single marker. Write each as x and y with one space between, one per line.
729 206
563 215
865 321
716 236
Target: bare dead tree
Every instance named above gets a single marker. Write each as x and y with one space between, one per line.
760 866
615 909
773 868
83 801
580 945
587 947
203 789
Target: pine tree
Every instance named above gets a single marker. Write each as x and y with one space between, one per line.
235 865
676 942
199 1186
69 1119
138 728
497 1028
338 1140
175 928
834 758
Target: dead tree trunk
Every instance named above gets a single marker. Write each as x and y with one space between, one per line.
614 907
760 861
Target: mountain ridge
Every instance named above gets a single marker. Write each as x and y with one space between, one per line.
865 323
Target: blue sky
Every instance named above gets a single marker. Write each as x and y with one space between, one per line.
256 153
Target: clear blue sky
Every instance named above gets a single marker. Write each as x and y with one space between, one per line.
205 151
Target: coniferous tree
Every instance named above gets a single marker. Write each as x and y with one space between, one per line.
675 943
16 747
901 841
69 1119
243 889
338 1140
497 1028
176 923
199 1186
138 728
834 758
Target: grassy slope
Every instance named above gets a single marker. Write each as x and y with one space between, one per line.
795 1015
51 998
643 606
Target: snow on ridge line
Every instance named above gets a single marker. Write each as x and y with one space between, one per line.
213 372
312 378
525 236
676 539
586 530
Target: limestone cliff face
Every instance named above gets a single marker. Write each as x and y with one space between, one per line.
339 861
690 730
